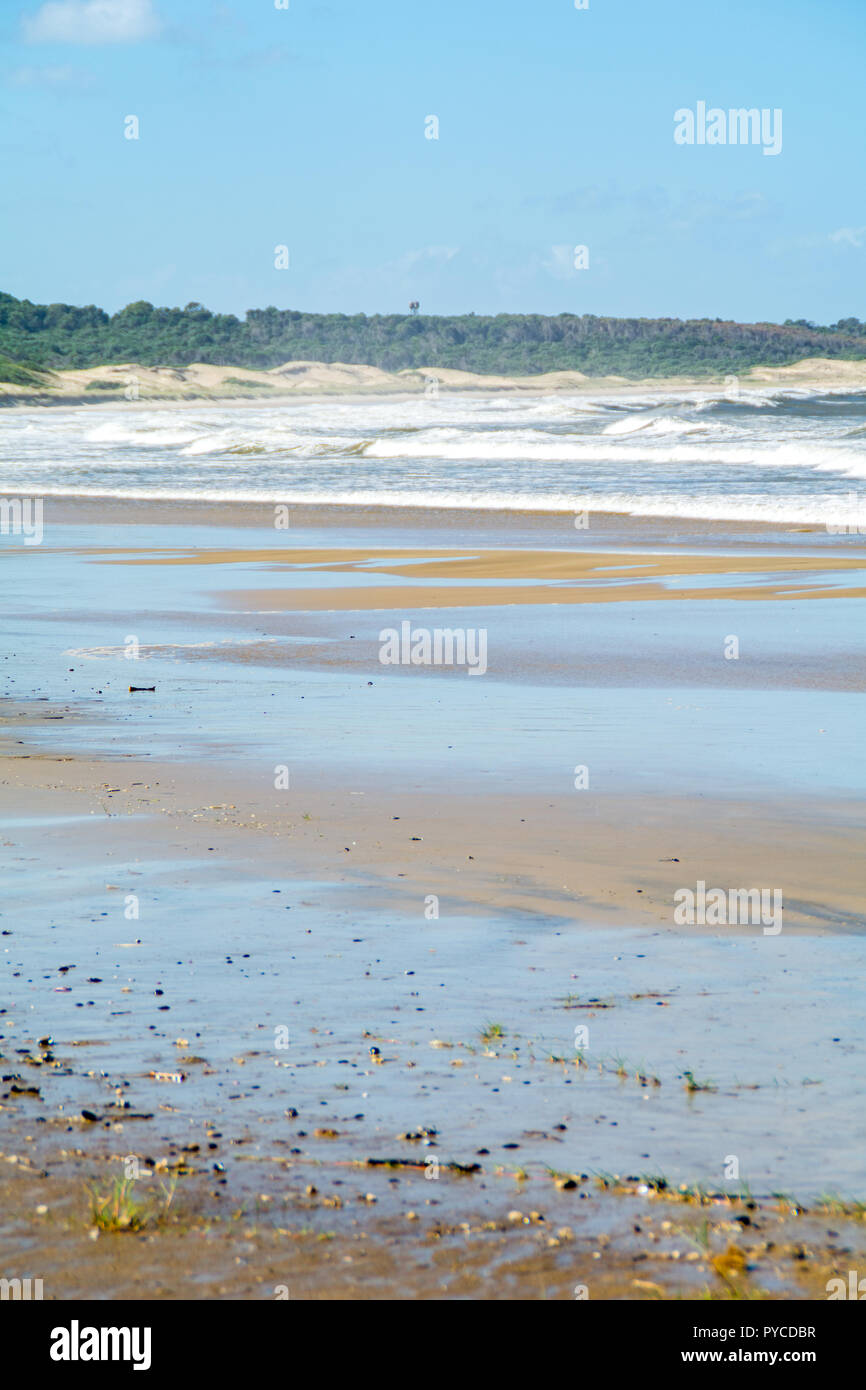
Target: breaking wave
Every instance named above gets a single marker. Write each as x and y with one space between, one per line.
776 455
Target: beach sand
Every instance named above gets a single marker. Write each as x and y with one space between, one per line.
129 384
288 854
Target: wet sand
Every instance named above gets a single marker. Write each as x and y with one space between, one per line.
556 577
431 885
587 1243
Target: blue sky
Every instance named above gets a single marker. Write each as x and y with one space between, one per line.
305 127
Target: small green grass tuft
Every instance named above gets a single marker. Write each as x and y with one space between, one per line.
118 1210
490 1032
693 1085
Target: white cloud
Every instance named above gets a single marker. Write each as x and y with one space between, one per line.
427 253
50 77
850 236
93 21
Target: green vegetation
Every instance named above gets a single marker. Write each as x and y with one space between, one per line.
21 373
491 1032
62 336
118 1210
837 1206
693 1085
102 385
247 385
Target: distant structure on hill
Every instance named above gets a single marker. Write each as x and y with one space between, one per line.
414 306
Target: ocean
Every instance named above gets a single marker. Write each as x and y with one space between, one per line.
776 455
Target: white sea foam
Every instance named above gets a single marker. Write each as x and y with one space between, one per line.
788 456
578 450
658 425
143 438
165 648
814 510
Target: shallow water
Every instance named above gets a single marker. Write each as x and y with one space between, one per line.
639 692
238 955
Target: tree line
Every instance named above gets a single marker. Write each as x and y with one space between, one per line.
35 337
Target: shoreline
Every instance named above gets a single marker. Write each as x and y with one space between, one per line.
73 508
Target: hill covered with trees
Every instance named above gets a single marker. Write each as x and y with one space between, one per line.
58 336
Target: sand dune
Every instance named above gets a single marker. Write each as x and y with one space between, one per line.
128 382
